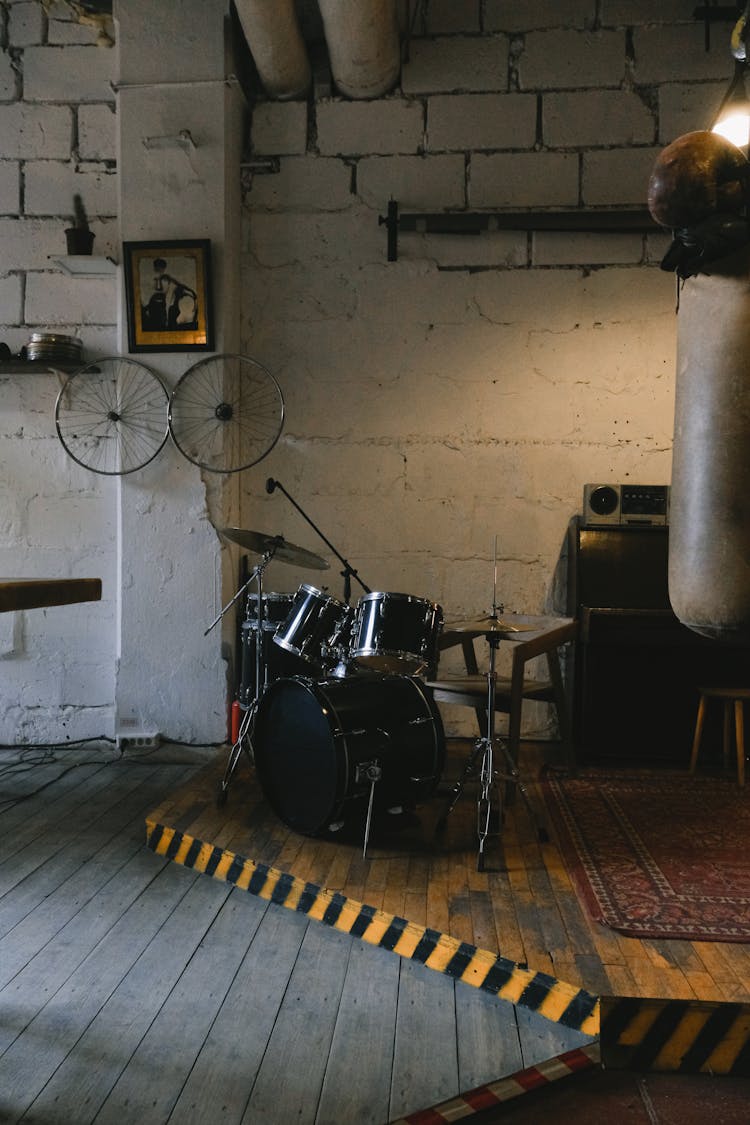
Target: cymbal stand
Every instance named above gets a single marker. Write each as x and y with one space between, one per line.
244 735
483 754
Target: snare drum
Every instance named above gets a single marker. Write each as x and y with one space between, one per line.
314 743
397 633
316 628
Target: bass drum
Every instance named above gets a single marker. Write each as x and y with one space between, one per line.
314 742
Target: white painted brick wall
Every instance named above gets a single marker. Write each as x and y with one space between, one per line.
68 74
10 187
446 16
481 121
318 184
416 182
564 59
596 119
50 186
683 108
55 299
618 177
685 60
31 131
456 64
383 126
8 77
25 24
279 128
97 132
524 179
509 15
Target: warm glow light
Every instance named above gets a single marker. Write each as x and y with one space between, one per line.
735 127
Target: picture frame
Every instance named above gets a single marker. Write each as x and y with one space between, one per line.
168 295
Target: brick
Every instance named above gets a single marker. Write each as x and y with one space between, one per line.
10 301
417 182
488 250
618 177
481 121
569 59
28 243
68 74
97 132
683 108
313 184
524 179
279 128
10 187
595 118
36 131
630 13
587 249
8 78
509 15
385 126
455 64
277 239
446 16
51 184
55 299
678 54
25 24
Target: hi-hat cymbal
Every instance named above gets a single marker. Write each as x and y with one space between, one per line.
486 626
276 546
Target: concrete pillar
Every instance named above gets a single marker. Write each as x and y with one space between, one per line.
175 76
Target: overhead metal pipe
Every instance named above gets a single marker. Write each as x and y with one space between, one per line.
364 45
275 40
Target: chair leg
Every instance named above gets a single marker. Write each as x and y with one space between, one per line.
726 744
739 732
699 721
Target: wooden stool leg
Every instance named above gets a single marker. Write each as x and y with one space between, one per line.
699 720
726 743
739 732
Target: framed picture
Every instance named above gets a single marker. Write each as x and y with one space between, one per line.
168 295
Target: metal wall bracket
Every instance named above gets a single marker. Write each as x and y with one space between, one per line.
474 222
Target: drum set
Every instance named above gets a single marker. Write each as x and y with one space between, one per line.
337 716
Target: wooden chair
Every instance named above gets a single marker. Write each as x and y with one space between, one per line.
733 699
471 690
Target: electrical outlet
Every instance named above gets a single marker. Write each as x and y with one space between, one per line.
138 740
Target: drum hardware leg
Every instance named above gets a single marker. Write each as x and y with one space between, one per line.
372 772
244 742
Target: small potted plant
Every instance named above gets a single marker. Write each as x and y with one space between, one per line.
79 238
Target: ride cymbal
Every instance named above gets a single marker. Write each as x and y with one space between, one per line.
276 546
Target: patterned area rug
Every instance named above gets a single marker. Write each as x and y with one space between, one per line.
657 855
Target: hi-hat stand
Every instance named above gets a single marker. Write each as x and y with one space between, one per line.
484 754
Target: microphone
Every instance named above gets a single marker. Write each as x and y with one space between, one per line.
271 484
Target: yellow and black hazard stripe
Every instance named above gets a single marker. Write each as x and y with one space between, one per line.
557 1001
687 1036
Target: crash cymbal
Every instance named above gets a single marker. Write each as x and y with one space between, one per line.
486 626
276 546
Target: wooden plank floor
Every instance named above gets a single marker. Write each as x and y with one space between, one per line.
522 906
134 990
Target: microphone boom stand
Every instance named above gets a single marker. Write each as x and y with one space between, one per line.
348 572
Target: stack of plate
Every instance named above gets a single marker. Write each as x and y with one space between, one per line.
50 347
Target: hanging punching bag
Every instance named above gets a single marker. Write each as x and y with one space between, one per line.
695 183
709 533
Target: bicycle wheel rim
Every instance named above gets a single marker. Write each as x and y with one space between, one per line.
111 416
226 413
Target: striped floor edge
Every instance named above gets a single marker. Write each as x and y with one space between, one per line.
522 1082
554 999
